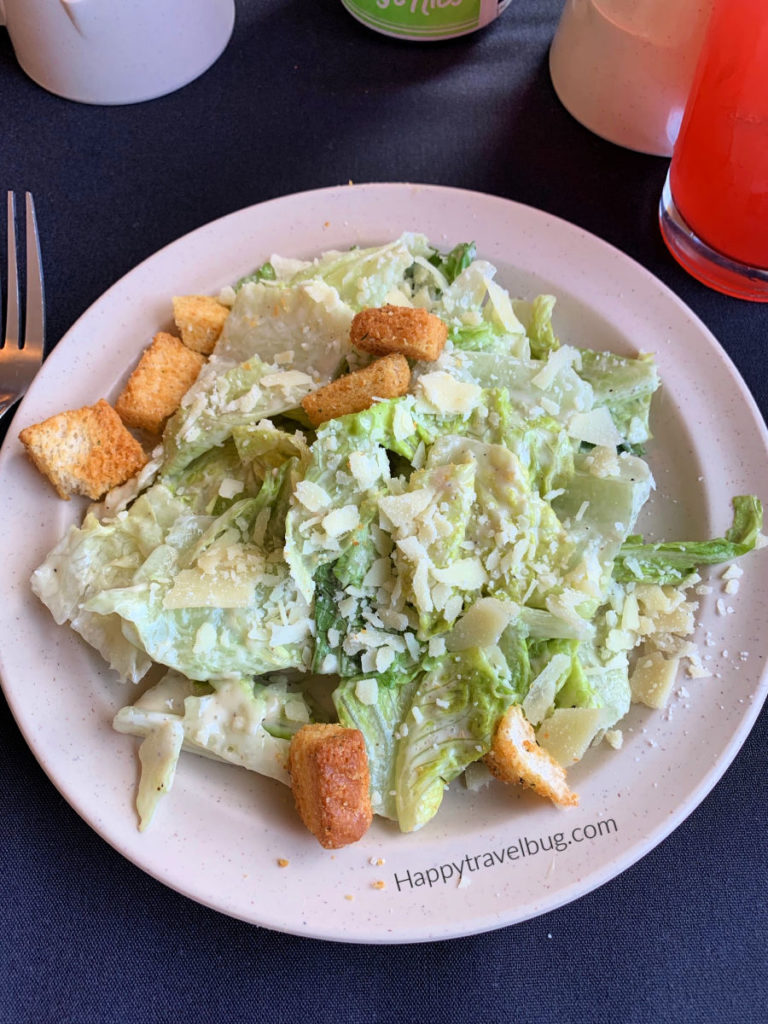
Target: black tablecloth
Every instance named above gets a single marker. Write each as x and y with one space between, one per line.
303 97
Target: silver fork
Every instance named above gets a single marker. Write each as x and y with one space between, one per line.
22 353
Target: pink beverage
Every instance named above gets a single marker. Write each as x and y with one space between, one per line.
718 181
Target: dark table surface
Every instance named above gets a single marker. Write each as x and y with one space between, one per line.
305 97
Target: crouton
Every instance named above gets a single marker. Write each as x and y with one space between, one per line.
384 378
200 320
84 451
165 372
516 757
414 333
331 782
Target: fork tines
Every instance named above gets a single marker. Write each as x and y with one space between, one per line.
22 349
34 315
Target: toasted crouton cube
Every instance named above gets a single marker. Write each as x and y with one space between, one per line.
165 372
330 781
200 318
384 378
516 757
414 333
84 451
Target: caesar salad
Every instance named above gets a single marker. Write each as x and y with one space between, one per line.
387 541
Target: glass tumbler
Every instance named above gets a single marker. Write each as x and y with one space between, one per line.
623 68
714 206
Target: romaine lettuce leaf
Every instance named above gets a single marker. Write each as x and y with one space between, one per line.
158 583
100 556
482 337
536 317
607 677
326 514
599 512
512 531
380 724
428 523
212 481
215 605
158 756
305 326
264 272
625 387
368 277
331 626
272 504
264 446
451 264
545 449
673 561
576 690
234 721
513 644
455 709
218 403
535 388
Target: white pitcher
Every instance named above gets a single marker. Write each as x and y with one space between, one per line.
116 51
623 68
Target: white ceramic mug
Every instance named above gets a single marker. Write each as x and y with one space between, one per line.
116 51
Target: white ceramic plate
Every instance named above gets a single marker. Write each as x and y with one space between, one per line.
490 858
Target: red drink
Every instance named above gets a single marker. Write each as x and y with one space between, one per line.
718 182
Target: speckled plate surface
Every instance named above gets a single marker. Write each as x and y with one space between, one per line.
490 858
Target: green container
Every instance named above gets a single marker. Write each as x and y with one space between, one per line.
425 19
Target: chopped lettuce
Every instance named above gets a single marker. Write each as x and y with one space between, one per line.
514 534
674 561
215 405
453 263
452 717
537 318
367 277
626 387
158 756
331 626
265 272
233 720
302 328
410 570
213 605
380 722
326 516
100 556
